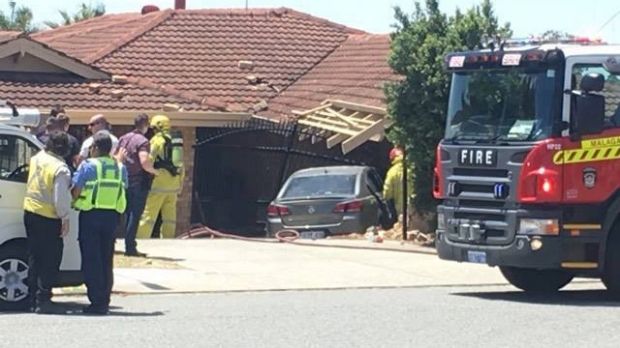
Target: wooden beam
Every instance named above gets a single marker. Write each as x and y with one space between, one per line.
336 114
307 112
332 122
335 140
358 107
328 127
338 138
355 121
362 137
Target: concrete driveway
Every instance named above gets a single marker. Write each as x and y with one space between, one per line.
220 265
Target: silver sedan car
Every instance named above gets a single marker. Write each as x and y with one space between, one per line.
324 201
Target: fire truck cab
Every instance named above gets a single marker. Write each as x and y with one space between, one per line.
528 172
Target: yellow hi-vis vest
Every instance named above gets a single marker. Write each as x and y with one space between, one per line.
39 197
107 191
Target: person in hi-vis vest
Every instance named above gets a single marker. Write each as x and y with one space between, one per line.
99 189
47 205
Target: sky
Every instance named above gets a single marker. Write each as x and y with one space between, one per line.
580 17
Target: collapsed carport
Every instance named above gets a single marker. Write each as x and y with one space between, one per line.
240 168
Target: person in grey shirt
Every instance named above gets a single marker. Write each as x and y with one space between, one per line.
47 206
97 123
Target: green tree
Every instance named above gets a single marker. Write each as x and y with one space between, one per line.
85 11
418 102
20 19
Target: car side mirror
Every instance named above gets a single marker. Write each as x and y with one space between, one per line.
589 108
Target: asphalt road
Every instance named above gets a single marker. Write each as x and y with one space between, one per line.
402 317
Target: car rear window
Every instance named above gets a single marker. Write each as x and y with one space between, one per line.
320 186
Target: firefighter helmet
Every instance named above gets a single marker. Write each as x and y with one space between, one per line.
160 122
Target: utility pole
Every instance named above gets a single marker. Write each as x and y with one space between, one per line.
405 194
246 5
607 23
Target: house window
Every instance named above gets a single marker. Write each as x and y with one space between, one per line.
15 154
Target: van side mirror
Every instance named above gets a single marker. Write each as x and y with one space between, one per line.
589 108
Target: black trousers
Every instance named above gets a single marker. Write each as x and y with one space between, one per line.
96 236
44 254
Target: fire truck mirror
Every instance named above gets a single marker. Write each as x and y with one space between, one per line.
612 65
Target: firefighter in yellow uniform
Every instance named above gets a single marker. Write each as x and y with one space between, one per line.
167 157
393 186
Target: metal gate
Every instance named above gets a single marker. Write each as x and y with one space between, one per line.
239 169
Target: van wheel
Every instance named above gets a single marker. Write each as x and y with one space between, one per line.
533 280
13 277
611 275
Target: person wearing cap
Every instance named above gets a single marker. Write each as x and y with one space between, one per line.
97 123
60 122
141 172
99 192
47 205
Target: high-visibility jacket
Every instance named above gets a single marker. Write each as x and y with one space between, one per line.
39 197
107 190
165 182
393 185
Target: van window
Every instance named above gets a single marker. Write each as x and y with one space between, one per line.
15 154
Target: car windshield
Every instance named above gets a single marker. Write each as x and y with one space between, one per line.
493 105
331 185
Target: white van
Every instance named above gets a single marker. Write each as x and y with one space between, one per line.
17 146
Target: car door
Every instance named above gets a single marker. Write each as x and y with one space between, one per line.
15 154
374 187
591 167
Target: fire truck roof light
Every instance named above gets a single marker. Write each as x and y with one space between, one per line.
536 41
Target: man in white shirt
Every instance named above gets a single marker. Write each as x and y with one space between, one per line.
97 123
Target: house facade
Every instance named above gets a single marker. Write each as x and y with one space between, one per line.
206 69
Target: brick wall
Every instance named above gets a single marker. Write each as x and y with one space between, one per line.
184 205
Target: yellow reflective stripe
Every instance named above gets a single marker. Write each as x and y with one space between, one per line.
581 265
582 226
586 155
600 142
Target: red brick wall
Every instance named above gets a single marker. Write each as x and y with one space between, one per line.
184 205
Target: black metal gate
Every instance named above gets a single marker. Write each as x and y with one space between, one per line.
239 169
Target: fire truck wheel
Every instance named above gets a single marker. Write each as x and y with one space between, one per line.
533 280
611 276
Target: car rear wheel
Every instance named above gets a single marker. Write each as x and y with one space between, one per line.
13 277
533 280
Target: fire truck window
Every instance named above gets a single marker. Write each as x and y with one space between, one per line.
611 92
506 104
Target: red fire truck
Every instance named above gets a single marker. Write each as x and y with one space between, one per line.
528 172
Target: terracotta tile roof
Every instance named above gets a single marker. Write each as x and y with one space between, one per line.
79 95
8 35
95 38
198 51
355 72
